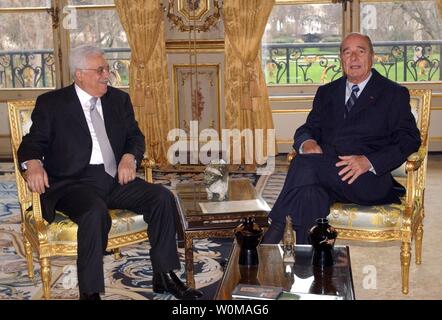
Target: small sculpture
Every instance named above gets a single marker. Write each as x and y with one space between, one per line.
289 241
216 179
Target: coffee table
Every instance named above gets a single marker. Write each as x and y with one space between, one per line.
298 277
203 218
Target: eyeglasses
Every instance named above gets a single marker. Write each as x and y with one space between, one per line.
99 70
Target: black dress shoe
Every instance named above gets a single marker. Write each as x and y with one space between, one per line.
169 282
90 296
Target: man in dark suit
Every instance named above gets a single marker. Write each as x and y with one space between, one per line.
82 165
359 129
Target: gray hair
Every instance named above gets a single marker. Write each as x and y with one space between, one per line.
370 44
78 55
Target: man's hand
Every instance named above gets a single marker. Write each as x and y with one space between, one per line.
310 146
354 166
126 169
36 176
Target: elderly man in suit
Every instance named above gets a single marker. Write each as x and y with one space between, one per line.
359 129
81 155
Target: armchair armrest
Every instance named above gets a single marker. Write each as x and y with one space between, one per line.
148 164
291 155
28 199
415 160
36 207
415 183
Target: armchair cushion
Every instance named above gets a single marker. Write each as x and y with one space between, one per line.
64 231
369 218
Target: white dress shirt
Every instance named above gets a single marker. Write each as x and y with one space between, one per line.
84 97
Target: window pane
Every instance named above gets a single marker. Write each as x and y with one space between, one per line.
407 37
26 51
305 38
89 2
103 28
24 3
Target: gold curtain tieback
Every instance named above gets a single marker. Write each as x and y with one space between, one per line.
253 81
250 88
149 100
246 99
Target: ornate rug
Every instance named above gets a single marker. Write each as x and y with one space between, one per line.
127 278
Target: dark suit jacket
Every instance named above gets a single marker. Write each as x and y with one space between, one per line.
379 126
60 138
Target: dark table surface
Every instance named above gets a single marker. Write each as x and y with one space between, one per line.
298 277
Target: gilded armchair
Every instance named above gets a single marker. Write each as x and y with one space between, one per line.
60 237
394 222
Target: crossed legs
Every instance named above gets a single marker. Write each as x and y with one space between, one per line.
311 186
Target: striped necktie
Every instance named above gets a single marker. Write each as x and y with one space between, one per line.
107 153
352 100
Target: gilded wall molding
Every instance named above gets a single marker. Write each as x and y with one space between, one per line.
284 141
283 111
291 99
302 1
182 46
187 18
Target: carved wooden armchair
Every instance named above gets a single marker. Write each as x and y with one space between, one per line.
60 237
394 222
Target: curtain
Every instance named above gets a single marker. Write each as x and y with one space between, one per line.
246 96
148 80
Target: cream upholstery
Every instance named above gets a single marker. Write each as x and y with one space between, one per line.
374 218
399 222
60 237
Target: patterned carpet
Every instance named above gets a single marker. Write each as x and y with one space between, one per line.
128 278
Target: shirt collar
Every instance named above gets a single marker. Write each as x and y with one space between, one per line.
83 96
360 85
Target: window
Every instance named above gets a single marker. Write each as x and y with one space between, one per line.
26 45
24 3
35 37
407 36
301 41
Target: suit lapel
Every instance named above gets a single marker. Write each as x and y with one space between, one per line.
339 100
74 107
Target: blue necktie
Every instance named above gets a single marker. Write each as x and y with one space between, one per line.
352 100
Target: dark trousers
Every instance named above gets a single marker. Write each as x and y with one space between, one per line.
312 185
86 200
